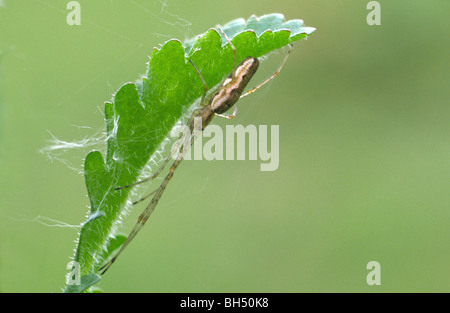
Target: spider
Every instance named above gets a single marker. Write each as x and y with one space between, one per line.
223 98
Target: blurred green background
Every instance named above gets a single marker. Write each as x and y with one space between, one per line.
364 151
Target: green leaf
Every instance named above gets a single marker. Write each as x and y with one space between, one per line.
141 115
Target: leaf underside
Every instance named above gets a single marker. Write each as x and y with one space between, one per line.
142 114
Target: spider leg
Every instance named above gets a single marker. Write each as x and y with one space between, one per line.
271 76
150 207
160 169
229 116
234 52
